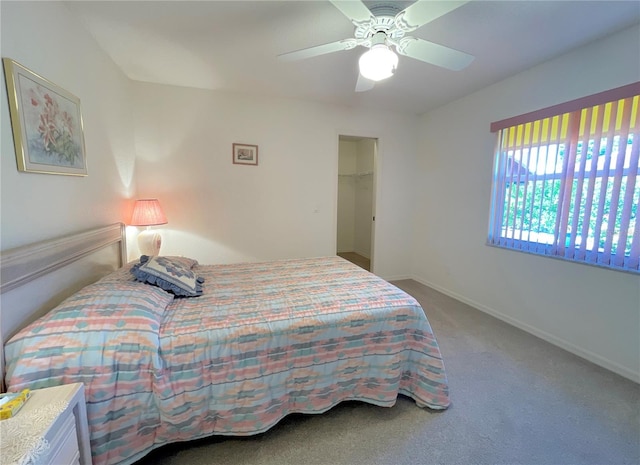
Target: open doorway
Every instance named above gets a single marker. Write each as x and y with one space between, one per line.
356 199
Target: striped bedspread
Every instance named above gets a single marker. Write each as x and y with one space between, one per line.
263 341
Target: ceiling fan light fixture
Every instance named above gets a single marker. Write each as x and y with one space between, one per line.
378 63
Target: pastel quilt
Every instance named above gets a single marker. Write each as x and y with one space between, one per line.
263 340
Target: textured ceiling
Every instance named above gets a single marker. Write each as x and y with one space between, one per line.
233 45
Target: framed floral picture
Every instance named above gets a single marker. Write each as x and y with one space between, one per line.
47 124
244 154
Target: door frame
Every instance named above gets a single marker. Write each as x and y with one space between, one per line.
375 186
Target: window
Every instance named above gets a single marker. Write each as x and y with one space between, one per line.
566 181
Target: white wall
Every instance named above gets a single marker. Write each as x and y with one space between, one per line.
590 311
287 205
46 38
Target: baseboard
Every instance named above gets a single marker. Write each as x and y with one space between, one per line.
363 253
398 278
550 338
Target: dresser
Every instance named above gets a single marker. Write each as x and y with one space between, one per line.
50 429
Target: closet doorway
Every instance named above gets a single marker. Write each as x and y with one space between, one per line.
356 199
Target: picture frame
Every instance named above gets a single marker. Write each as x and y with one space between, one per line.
48 132
245 154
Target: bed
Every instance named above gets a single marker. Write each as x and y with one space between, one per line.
263 340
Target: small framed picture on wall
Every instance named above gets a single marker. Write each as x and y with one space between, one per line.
245 154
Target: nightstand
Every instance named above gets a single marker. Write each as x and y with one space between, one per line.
51 428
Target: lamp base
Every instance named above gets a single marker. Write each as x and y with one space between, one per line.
149 242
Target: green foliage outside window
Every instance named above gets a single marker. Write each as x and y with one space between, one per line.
533 206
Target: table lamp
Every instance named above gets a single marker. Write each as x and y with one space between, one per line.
148 212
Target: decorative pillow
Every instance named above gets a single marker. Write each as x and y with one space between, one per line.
186 262
168 274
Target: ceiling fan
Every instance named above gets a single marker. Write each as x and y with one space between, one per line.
384 26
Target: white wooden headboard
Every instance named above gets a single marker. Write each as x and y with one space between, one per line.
36 277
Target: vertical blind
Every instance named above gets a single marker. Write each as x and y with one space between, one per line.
566 181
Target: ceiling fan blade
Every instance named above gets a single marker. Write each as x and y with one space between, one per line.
356 11
364 84
425 11
310 52
435 54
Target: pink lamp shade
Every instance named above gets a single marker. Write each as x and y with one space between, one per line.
148 212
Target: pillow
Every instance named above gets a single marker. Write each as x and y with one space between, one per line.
169 274
113 303
104 334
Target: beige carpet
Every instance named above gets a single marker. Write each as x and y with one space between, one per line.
356 259
516 400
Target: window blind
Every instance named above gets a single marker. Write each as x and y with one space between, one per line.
566 181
